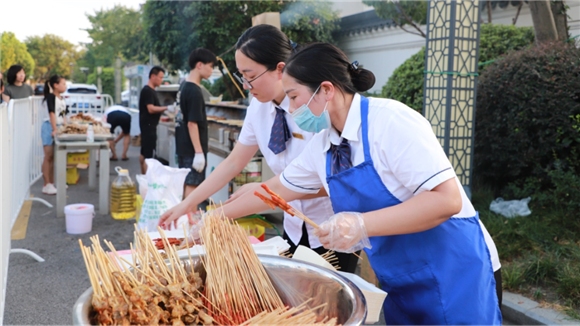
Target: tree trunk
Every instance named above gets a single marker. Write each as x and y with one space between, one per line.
560 19
544 25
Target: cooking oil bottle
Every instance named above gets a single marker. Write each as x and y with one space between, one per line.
123 196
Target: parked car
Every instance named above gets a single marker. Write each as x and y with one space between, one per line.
82 96
125 95
39 89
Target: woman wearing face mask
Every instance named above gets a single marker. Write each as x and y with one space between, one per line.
16 88
393 190
260 55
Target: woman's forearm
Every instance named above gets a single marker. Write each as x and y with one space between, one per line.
420 213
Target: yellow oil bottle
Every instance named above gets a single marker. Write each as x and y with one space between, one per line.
123 192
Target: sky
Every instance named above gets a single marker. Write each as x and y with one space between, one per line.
65 18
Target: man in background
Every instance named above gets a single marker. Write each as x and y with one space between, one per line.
191 132
119 116
149 114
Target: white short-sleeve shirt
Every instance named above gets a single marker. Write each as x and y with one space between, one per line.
256 131
405 152
59 106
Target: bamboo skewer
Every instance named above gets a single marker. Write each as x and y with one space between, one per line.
276 200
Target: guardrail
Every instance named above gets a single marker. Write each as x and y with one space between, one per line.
5 201
88 103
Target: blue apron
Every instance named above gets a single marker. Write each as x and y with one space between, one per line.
435 277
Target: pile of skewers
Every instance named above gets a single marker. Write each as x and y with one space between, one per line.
149 290
152 293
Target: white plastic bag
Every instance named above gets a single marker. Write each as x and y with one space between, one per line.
511 208
164 190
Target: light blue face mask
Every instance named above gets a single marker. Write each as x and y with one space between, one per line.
307 121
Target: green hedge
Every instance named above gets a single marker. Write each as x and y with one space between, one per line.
406 82
528 121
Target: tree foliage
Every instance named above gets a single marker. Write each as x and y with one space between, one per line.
404 12
309 21
52 55
117 32
15 52
174 28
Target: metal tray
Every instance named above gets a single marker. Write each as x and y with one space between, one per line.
82 137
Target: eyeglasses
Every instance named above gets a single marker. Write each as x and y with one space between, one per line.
242 80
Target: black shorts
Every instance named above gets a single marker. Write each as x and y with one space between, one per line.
193 178
119 118
148 142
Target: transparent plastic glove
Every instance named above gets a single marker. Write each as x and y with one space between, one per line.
193 236
344 232
198 162
171 108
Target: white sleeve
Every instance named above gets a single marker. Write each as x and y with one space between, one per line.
247 134
414 155
301 174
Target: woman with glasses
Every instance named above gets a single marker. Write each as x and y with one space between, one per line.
393 190
260 55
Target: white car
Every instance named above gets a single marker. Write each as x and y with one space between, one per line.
83 98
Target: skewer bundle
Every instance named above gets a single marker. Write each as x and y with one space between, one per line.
236 282
289 316
151 293
277 201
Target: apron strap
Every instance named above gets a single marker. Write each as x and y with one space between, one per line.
364 112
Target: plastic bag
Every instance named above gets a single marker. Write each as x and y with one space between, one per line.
511 208
164 190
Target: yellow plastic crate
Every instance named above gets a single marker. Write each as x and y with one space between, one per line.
76 158
72 176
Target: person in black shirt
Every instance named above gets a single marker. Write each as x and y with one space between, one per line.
149 114
191 134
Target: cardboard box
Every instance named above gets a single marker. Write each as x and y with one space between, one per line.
76 158
136 141
72 176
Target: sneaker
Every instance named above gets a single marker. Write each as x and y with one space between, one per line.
49 189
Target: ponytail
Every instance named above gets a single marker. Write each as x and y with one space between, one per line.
362 79
49 84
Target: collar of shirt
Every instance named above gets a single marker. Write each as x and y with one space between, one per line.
351 126
285 105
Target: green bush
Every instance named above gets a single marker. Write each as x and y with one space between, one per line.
527 120
556 187
406 82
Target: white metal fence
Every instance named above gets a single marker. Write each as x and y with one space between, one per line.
5 201
21 156
88 103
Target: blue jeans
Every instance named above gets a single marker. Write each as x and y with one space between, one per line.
46 134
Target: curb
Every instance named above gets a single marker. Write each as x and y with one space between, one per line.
523 311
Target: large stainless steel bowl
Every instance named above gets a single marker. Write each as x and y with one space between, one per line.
296 282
